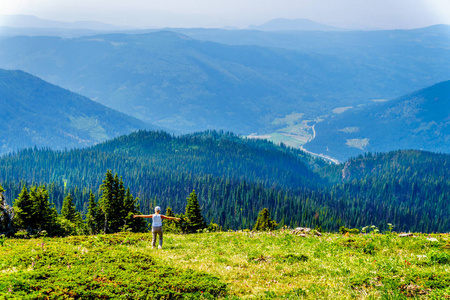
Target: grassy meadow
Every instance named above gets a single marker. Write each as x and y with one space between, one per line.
227 265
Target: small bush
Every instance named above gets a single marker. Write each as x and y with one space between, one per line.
22 234
292 258
438 257
344 230
369 249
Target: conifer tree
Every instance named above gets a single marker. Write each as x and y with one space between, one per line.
130 208
107 199
264 222
94 216
23 210
33 210
169 225
195 220
69 211
43 215
117 206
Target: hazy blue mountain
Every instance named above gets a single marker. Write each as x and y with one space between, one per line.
293 24
36 113
337 42
175 81
28 25
61 32
29 21
420 120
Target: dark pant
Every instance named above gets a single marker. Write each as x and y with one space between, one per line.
157 231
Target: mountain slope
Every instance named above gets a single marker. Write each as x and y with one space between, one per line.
420 120
207 153
175 81
30 21
228 172
235 178
36 113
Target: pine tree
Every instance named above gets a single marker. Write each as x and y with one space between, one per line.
119 215
106 201
118 206
170 225
43 215
94 216
33 210
69 211
264 222
23 210
130 208
193 214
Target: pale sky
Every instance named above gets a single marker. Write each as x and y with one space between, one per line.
383 14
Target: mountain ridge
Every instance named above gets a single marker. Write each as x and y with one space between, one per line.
282 24
31 21
235 178
419 120
37 113
177 81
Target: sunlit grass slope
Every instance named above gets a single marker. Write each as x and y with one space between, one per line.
231 265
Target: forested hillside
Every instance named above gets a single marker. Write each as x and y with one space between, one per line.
235 178
419 120
36 113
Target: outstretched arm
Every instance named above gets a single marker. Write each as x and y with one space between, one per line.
170 218
142 216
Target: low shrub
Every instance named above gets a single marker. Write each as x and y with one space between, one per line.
344 230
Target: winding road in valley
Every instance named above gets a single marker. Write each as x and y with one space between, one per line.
333 160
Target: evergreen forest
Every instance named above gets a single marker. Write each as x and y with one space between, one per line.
234 179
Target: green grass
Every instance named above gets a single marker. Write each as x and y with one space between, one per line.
231 265
91 125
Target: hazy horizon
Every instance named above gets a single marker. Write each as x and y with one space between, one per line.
352 14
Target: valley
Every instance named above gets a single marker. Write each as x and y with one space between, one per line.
287 149
273 83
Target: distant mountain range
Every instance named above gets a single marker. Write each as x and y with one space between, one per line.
36 113
293 25
178 82
268 83
419 120
27 25
29 21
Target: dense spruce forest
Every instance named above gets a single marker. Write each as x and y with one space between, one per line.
235 178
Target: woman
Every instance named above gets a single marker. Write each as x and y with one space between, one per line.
157 225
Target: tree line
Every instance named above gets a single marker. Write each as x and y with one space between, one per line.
33 214
409 189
